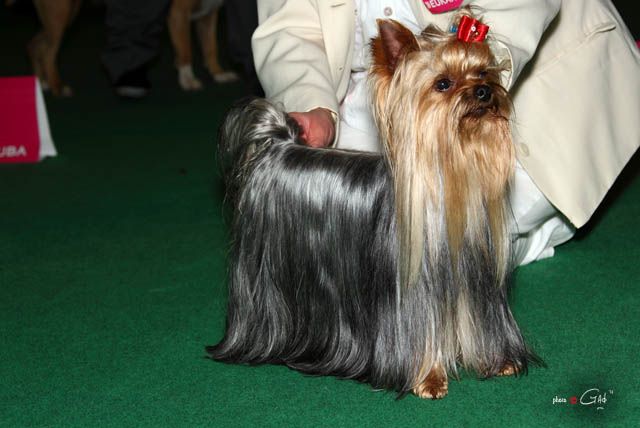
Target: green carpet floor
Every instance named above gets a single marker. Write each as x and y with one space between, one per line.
112 281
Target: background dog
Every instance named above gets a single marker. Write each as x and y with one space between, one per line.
55 17
205 15
391 269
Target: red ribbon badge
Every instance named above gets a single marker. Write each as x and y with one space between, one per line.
471 30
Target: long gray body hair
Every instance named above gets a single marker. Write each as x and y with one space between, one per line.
314 278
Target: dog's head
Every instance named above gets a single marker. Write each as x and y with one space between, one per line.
445 79
443 118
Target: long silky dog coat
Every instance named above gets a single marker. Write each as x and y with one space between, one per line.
325 273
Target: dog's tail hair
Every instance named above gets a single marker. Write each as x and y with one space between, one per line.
250 126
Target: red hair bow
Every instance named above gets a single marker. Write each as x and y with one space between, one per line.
471 30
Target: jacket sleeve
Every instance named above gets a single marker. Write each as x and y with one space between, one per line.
290 55
516 28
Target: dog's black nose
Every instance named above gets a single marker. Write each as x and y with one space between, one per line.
483 93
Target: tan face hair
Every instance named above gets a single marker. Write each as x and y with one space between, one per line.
443 119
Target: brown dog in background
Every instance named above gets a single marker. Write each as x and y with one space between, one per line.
205 15
55 16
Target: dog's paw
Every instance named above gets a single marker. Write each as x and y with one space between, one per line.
435 385
508 370
225 77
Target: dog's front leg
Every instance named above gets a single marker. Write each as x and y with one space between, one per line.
509 369
435 385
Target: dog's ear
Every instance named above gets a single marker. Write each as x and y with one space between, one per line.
394 41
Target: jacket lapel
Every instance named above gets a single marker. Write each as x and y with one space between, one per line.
338 23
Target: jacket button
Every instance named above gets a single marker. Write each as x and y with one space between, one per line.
388 11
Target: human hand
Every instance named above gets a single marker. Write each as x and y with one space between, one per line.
317 127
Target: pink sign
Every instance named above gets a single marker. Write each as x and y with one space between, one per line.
24 127
19 139
441 6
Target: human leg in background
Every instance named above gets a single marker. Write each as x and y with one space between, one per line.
537 225
133 32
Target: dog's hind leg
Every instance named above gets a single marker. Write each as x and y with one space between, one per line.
509 369
35 49
207 32
55 18
179 23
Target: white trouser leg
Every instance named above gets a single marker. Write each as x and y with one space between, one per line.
537 226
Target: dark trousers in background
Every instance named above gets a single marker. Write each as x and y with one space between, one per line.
242 20
133 31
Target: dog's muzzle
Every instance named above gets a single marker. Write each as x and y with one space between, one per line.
482 93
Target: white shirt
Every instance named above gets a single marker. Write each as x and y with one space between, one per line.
355 110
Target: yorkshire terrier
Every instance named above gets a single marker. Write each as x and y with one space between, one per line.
389 268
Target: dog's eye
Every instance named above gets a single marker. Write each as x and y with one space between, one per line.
483 74
443 85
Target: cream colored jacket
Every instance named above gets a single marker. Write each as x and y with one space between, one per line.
577 103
